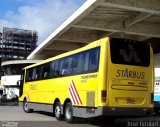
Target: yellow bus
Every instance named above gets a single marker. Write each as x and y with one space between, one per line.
108 77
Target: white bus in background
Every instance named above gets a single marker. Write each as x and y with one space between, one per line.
10 85
157 90
12 74
157 84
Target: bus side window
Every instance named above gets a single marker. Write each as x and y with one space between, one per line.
65 66
86 61
93 60
74 66
57 68
45 71
54 69
77 63
29 75
36 75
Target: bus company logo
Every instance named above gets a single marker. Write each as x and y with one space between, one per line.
131 55
130 74
74 94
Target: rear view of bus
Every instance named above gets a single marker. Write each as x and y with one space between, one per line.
129 78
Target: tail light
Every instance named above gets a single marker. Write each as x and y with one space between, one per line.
103 96
152 98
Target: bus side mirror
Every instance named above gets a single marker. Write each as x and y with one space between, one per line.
18 83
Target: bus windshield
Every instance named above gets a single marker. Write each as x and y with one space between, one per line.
130 53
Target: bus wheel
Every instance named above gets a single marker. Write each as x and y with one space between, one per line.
68 112
57 111
26 108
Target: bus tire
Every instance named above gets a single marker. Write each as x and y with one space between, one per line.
57 111
26 108
68 113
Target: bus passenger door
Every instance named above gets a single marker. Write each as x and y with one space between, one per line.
21 83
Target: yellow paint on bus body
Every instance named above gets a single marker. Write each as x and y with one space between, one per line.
123 88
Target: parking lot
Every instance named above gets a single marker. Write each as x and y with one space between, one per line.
13 116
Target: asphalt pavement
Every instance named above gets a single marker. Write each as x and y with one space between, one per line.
14 116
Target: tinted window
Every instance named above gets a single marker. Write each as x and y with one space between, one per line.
54 69
36 75
93 60
77 64
86 62
80 63
130 52
45 70
29 75
65 66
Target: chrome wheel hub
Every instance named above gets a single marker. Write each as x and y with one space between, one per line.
26 106
68 113
57 111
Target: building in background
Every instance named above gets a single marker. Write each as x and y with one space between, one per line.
17 44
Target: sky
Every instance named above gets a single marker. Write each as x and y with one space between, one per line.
44 16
